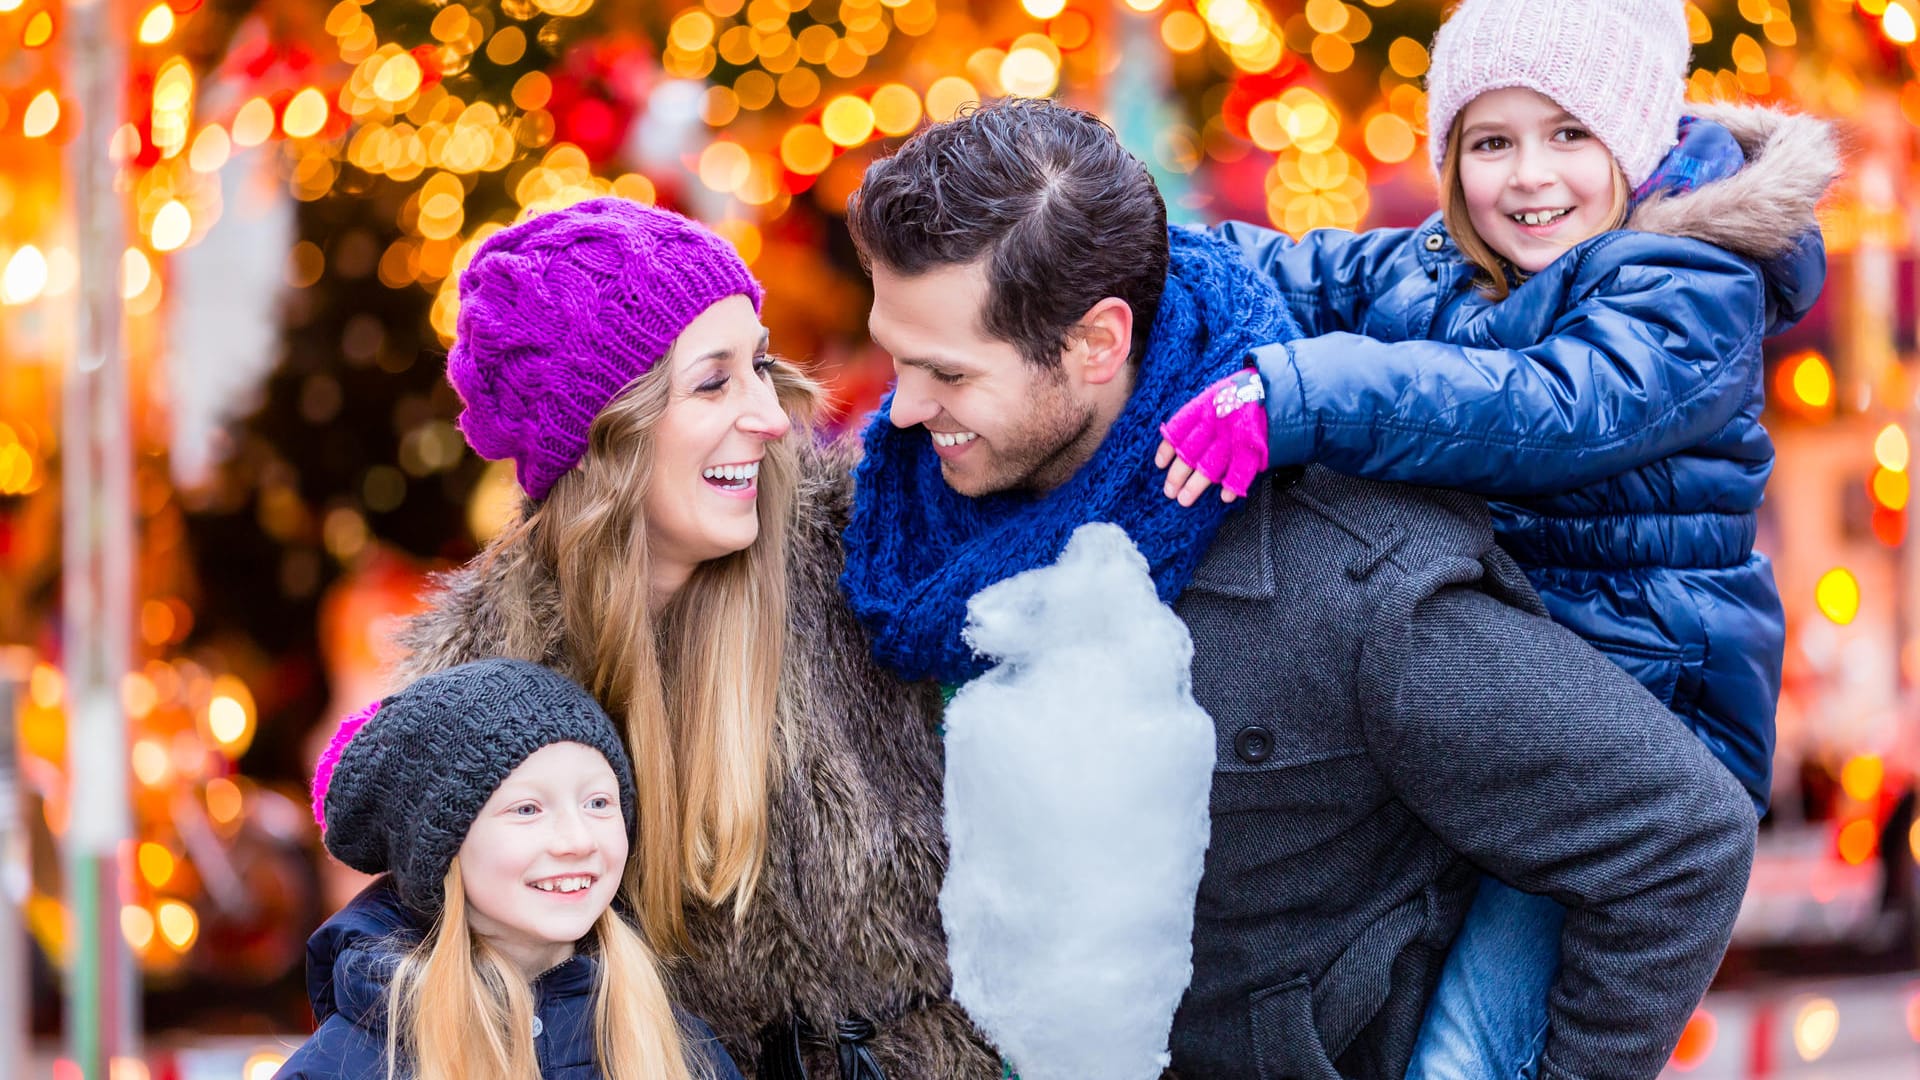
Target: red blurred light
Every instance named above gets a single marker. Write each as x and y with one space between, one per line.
1696 1041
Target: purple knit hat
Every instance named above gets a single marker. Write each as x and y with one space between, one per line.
561 312
1618 66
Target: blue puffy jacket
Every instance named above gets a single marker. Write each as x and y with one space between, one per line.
1610 405
350 963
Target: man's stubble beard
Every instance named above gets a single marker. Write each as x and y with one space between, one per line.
1060 437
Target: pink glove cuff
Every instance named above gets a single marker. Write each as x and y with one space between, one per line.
1222 433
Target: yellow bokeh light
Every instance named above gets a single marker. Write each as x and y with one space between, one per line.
451 24
1858 841
1145 6
10 5
25 277
1408 58
508 46
136 273
1813 381
1862 776
230 715
896 109
724 165
1182 31
1029 72
151 764
171 226
1890 489
847 120
39 30
1389 138
1890 448
806 149
1838 595
947 96
692 31
178 924
253 124
43 113
136 925
1044 9
262 1066
156 25
46 687
1333 52
306 114
397 79
1898 23
224 800
744 236
1327 16
211 149
156 864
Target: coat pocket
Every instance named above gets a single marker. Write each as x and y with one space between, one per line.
1286 1044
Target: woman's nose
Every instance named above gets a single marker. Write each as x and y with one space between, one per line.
763 416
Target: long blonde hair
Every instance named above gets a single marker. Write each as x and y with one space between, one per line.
459 1010
693 686
1492 279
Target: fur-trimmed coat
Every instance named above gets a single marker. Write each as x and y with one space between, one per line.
845 921
1611 403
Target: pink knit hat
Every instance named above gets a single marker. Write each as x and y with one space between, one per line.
561 312
1618 66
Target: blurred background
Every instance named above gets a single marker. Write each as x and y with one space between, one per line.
230 232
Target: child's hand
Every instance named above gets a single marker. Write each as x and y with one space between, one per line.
1221 434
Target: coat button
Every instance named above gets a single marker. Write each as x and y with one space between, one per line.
1435 242
1253 744
539 1028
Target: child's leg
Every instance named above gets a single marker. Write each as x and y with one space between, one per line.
1488 1016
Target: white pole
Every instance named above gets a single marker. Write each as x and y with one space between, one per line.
96 467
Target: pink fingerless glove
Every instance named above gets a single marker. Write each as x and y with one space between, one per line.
1223 432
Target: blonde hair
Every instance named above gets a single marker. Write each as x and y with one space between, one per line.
1492 279
693 686
459 1010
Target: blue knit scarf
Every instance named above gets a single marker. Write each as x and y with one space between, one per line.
917 551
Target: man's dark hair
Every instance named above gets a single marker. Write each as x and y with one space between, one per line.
1064 216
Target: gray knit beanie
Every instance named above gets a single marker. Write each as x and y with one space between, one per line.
402 780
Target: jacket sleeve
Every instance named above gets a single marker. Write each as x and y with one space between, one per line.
1328 276
1657 347
1552 770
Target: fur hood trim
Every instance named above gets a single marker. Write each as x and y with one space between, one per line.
1761 211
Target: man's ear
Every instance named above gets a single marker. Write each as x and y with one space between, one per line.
1102 342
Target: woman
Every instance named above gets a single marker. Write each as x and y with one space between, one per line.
679 555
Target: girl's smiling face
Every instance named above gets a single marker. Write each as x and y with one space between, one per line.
544 858
1535 180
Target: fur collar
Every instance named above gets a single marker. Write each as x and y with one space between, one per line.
1763 209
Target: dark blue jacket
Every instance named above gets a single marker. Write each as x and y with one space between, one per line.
1611 404
350 963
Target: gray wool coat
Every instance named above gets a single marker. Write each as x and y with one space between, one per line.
846 919
1395 714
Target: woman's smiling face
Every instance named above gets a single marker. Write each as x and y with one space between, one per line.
1536 181
721 412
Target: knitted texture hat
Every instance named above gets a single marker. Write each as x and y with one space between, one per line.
561 312
403 781
1618 66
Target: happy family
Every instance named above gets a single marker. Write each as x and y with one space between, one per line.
1460 519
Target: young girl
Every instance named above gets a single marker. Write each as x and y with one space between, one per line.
1604 385
498 801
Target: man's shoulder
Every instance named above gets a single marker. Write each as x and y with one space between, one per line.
1315 526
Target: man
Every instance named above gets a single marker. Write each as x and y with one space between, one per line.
1395 714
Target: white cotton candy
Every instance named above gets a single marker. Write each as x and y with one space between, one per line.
1076 809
